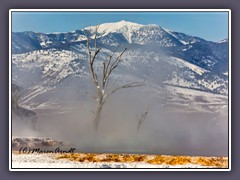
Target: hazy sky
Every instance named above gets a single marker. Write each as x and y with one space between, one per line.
208 25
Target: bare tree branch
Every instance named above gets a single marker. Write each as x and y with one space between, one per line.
130 85
142 119
94 55
95 37
111 67
110 57
116 62
91 60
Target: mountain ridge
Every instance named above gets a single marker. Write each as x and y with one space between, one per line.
193 49
124 27
162 57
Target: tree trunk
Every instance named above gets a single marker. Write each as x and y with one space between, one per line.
97 115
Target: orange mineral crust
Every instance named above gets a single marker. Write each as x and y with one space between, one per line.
218 162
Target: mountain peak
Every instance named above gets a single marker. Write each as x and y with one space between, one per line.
223 40
124 27
127 23
119 27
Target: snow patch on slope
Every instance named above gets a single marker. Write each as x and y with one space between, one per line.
183 63
169 32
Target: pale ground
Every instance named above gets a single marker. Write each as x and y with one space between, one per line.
51 161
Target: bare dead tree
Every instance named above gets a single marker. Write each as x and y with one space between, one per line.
142 119
101 85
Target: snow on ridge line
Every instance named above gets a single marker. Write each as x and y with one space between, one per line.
182 62
124 27
222 41
115 26
170 32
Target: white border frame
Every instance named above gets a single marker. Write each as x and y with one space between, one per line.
120 10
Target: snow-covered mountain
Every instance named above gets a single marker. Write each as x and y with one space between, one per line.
193 49
167 60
